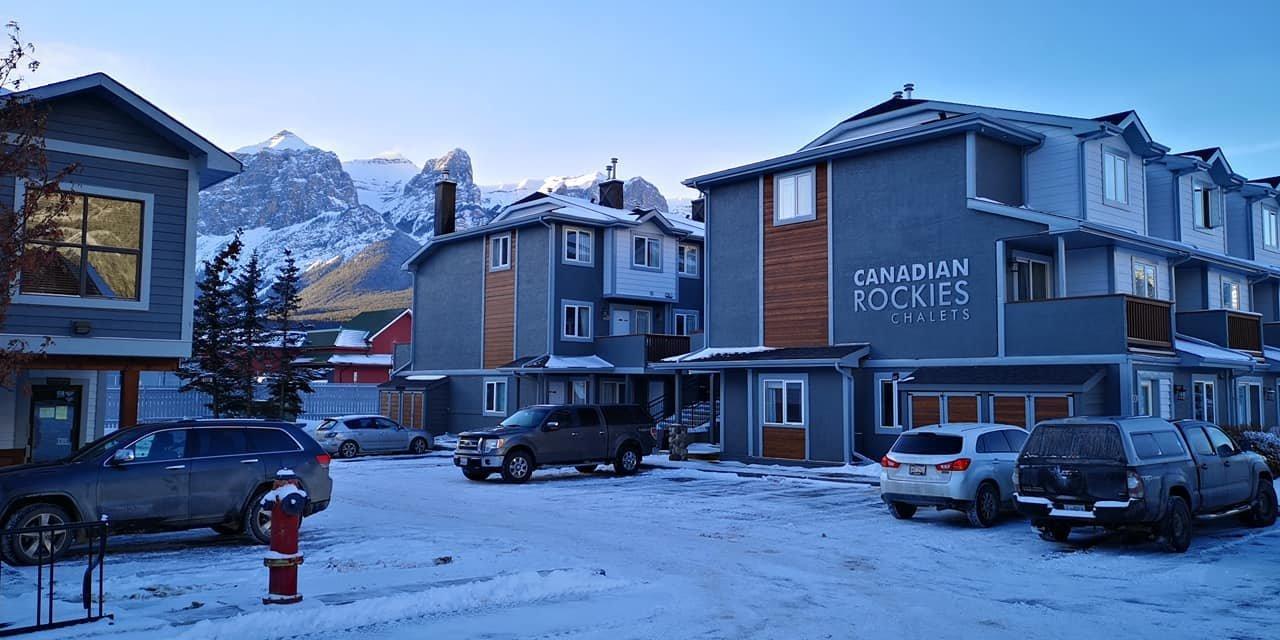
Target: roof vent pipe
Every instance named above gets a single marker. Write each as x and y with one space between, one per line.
897 95
908 88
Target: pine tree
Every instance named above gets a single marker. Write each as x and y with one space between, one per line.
211 366
288 382
248 333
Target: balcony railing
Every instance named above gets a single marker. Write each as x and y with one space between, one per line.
1244 331
636 350
1148 323
1240 330
1112 323
657 346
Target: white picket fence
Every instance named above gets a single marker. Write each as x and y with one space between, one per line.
168 403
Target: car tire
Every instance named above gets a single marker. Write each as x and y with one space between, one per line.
985 508
517 467
587 468
256 521
348 449
1175 528
1055 532
627 461
419 446
33 548
229 529
478 475
902 510
1262 513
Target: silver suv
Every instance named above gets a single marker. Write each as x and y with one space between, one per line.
350 436
967 467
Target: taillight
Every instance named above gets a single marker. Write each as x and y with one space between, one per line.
323 459
1137 488
889 463
959 464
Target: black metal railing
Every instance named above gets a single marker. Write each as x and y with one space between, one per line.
49 543
1148 322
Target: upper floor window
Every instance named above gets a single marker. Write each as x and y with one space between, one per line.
500 252
1030 278
686 322
1144 279
1204 206
687 260
95 252
1271 227
577 321
577 245
1115 177
646 252
793 197
1230 294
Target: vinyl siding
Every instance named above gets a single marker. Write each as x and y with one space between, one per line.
1087 272
1131 216
1053 170
88 118
1216 276
1162 216
1124 262
629 281
1240 216
1262 253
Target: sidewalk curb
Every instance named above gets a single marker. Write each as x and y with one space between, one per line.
749 473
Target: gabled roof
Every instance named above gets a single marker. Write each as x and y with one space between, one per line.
216 165
892 104
1219 168
1116 118
1273 181
373 322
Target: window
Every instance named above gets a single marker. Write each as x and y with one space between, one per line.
96 251
1230 294
1146 398
687 260
588 417
1249 404
578 244
495 397
577 321
500 252
1115 177
793 196
1202 401
170 444
889 404
993 442
579 392
1271 227
686 322
613 392
1204 206
1199 442
1030 279
1222 444
219 442
1144 279
928 444
1016 439
784 402
642 321
270 440
646 252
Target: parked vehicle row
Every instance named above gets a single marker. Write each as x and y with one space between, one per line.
1143 475
353 435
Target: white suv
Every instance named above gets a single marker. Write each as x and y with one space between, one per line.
968 467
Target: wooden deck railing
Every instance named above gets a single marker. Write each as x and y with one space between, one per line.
658 346
1148 322
1244 332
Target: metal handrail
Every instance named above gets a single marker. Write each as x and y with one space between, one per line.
95 534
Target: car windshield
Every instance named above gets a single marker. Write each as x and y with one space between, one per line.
527 418
928 444
1075 442
105 445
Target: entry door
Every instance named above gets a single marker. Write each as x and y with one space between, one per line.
1249 404
55 422
555 392
621 322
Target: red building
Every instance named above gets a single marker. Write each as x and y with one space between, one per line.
362 350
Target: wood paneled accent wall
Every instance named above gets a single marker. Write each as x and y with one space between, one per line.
499 309
795 272
787 443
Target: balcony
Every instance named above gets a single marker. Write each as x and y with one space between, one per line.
1087 325
636 350
1239 330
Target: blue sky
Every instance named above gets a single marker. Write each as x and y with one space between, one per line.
672 89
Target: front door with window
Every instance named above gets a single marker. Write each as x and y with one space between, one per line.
55 422
1249 404
555 392
621 322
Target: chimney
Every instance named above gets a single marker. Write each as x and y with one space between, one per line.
908 88
446 205
699 210
611 189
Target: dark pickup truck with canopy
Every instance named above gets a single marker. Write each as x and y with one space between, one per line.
1144 474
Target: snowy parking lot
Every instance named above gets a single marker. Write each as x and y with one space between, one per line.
410 549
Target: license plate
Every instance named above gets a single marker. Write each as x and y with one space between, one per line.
916 469
473 462
1074 507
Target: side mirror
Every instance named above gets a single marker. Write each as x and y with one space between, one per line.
122 456
1225 451
551 425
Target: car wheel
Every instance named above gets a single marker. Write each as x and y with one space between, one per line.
517 467
586 468
348 449
628 461
476 474
257 519
1055 532
228 529
33 548
1263 511
985 508
902 510
1175 529
418 446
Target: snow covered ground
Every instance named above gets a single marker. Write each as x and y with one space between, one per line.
410 549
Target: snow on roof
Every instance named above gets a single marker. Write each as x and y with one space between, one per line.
425 377
577 362
1208 351
351 338
591 211
716 351
372 360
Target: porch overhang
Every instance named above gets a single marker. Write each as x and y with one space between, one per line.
1067 378
1194 352
558 364
847 356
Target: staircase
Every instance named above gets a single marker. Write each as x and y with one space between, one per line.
694 416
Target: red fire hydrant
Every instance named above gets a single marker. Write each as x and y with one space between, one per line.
287 502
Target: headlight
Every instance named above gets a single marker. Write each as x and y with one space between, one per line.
491 444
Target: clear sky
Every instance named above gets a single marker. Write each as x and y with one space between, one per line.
673 89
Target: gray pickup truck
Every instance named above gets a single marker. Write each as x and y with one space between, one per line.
582 436
1139 474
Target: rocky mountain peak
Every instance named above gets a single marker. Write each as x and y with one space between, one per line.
284 141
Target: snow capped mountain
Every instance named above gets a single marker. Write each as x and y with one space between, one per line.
380 180
638 193
413 211
284 141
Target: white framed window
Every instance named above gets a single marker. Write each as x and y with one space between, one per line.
576 320
495 397
613 392
578 245
887 410
646 252
500 252
686 322
642 321
1249 403
1115 177
1146 398
1204 205
1230 294
579 388
1144 279
687 260
784 402
1203 405
1031 278
793 196
1271 227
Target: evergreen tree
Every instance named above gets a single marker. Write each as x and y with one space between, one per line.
288 382
211 368
249 331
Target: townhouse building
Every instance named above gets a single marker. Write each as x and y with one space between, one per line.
557 299
925 261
